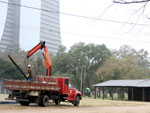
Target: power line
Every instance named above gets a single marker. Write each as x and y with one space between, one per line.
104 37
79 16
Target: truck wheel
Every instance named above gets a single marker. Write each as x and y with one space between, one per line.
24 103
77 101
57 101
44 100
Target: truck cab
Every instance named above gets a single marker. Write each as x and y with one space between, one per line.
68 92
74 95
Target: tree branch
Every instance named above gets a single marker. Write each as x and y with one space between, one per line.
106 9
131 2
142 13
141 9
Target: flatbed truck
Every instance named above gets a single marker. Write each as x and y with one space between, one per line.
44 88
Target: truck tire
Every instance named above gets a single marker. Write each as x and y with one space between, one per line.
57 102
24 103
44 100
77 101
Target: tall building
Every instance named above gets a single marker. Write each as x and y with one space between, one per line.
10 32
36 25
50 24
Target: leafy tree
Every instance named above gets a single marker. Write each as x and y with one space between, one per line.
126 51
81 61
142 58
60 61
110 70
141 55
9 71
127 63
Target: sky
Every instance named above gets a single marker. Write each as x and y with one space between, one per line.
113 35
29 24
76 29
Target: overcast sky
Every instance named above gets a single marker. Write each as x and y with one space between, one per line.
114 35
75 29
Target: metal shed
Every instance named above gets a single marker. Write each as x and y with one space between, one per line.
138 90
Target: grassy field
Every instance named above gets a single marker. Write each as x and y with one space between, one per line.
87 102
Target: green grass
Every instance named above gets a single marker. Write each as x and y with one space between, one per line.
115 97
91 102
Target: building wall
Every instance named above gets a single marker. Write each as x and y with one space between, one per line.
36 25
10 33
50 25
139 94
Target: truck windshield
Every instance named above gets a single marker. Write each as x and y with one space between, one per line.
70 86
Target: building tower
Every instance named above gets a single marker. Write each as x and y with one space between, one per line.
50 25
10 32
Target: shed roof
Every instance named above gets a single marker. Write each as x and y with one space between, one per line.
125 83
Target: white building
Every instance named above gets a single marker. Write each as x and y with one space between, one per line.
50 24
32 24
40 25
10 25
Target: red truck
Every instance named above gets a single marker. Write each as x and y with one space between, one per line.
44 88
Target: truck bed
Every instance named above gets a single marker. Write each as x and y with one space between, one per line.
31 85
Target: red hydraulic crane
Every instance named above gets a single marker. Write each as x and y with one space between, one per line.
41 46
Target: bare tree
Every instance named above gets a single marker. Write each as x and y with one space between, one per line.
130 2
144 2
140 11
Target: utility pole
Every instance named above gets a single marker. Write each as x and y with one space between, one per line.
81 85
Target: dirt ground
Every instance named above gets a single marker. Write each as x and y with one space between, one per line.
86 106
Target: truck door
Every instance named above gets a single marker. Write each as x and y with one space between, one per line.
66 86
71 92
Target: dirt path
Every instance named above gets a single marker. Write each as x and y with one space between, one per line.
87 105
72 109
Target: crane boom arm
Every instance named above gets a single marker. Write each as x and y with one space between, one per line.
37 47
41 45
48 61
